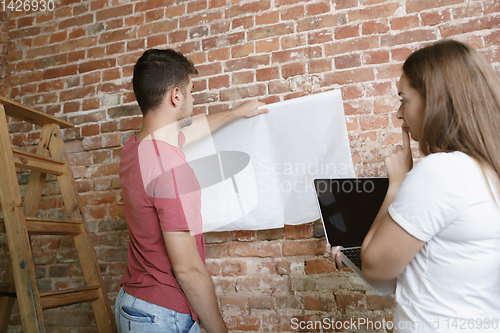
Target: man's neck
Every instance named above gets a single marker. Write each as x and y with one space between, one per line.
158 127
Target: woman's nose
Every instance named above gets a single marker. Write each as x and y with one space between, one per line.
400 113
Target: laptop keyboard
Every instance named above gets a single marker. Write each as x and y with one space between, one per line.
354 254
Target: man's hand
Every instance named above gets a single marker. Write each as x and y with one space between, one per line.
249 109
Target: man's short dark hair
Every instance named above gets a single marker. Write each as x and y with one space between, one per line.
157 72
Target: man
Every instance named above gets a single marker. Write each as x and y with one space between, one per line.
166 286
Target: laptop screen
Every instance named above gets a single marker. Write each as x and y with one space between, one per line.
349 206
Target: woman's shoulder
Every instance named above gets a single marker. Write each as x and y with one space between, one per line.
456 159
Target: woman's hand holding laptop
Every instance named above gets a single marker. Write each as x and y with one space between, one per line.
335 255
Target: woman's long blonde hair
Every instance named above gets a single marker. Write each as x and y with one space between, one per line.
462 101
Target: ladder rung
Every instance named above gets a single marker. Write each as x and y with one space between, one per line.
54 299
19 111
39 226
36 162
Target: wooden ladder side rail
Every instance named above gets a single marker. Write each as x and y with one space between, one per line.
17 236
36 181
17 110
83 241
31 202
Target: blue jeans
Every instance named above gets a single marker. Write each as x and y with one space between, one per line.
135 315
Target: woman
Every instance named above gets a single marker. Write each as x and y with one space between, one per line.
438 229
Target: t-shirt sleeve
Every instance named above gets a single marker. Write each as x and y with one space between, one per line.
431 197
176 192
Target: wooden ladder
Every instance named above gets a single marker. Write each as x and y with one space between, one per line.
19 222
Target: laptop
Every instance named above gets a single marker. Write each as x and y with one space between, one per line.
348 207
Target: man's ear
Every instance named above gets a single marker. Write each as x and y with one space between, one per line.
175 96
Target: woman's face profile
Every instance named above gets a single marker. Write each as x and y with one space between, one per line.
412 108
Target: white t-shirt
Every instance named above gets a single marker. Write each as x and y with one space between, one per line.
453 283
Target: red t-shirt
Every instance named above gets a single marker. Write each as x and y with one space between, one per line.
160 193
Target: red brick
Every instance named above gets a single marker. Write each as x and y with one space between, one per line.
292 13
297 54
103 15
344 4
318 8
242 50
242 323
319 65
375 27
232 303
82 43
234 267
320 37
90 104
115 48
347 61
356 44
292 41
320 266
109 126
71 106
155 15
243 9
349 76
241 93
102 141
374 89
421 5
117 35
375 302
219 54
248 62
408 37
157 40
374 122
245 22
350 302
347 31
375 57
303 247
261 302
76 21
215 237
43 51
243 235
267 74
270 31
188 21
91 78
110 74
293 69
222 41
319 304
127 124
405 22
255 249
178 36
216 250
483 23
320 22
98 52
435 17
300 231
90 130
267 18
373 12
153 4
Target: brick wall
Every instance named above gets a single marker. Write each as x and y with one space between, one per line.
76 62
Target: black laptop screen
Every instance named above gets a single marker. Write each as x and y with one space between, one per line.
349 206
